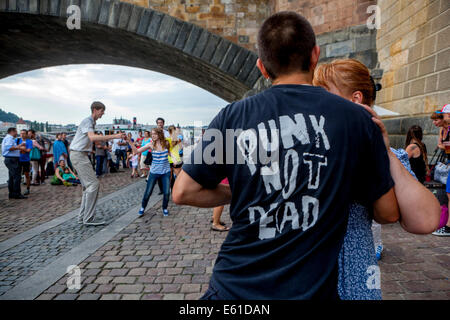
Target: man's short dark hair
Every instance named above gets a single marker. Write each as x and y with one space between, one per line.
32 131
285 43
160 119
24 130
11 129
97 105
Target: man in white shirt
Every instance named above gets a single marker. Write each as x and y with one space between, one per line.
160 123
80 147
11 153
121 151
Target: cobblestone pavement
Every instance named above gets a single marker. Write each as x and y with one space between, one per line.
172 257
23 260
17 216
414 266
153 258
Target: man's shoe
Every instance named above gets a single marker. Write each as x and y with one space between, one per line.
141 212
442 232
165 213
18 197
94 223
27 192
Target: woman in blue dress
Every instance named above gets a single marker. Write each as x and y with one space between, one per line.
359 274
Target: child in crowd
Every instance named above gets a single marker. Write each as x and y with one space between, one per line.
133 158
70 177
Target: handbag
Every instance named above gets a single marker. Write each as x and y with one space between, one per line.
441 171
35 154
148 159
439 155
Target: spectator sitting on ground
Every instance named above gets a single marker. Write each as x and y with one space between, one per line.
61 177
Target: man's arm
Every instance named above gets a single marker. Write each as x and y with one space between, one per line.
96 137
187 191
385 209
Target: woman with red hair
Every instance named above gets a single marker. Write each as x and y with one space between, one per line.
419 209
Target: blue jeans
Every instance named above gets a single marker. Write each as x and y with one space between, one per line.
99 164
152 178
121 154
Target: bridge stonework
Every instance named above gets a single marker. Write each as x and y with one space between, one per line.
212 43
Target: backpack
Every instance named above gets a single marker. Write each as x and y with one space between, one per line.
50 170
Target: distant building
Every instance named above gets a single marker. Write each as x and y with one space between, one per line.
5 125
21 125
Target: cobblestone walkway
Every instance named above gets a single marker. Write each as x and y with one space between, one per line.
155 257
23 260
47 202
172 257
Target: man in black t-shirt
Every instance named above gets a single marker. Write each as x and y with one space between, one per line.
295 156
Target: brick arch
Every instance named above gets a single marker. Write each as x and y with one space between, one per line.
33 35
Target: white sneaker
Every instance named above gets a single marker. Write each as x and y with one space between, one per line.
442 232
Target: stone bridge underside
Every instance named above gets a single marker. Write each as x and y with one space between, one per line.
33 35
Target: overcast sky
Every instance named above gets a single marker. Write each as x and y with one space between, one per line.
62 95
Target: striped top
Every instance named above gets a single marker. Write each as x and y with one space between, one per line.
160 162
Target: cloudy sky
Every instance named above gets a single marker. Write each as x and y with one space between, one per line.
62 95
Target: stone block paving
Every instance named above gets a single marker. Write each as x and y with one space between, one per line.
172 258
154 258
414 266
25 259
47 202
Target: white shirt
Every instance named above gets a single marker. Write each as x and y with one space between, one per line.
81 141
8 142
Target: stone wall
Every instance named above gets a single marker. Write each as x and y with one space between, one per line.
235 20
357 42
398 127
414 52
328 15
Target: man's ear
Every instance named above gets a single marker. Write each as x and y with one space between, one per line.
315 54
261 68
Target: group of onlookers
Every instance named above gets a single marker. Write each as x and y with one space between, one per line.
23 155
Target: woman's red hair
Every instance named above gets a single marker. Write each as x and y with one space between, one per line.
348 76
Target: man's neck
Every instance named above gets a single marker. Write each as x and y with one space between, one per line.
294 78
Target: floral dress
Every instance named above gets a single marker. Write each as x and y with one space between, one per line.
359 274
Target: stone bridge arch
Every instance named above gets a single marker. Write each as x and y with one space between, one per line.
33 35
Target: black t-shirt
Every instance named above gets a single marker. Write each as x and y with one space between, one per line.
289 219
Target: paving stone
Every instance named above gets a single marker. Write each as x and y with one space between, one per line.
190 288
114 265
152 296
131 297
104 288
118 272
128 288
89 296
152 288
66 296
170 288
46 296
110 297
173 296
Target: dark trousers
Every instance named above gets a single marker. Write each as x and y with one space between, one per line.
152 178
121 154
42 163
99 167
14 176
